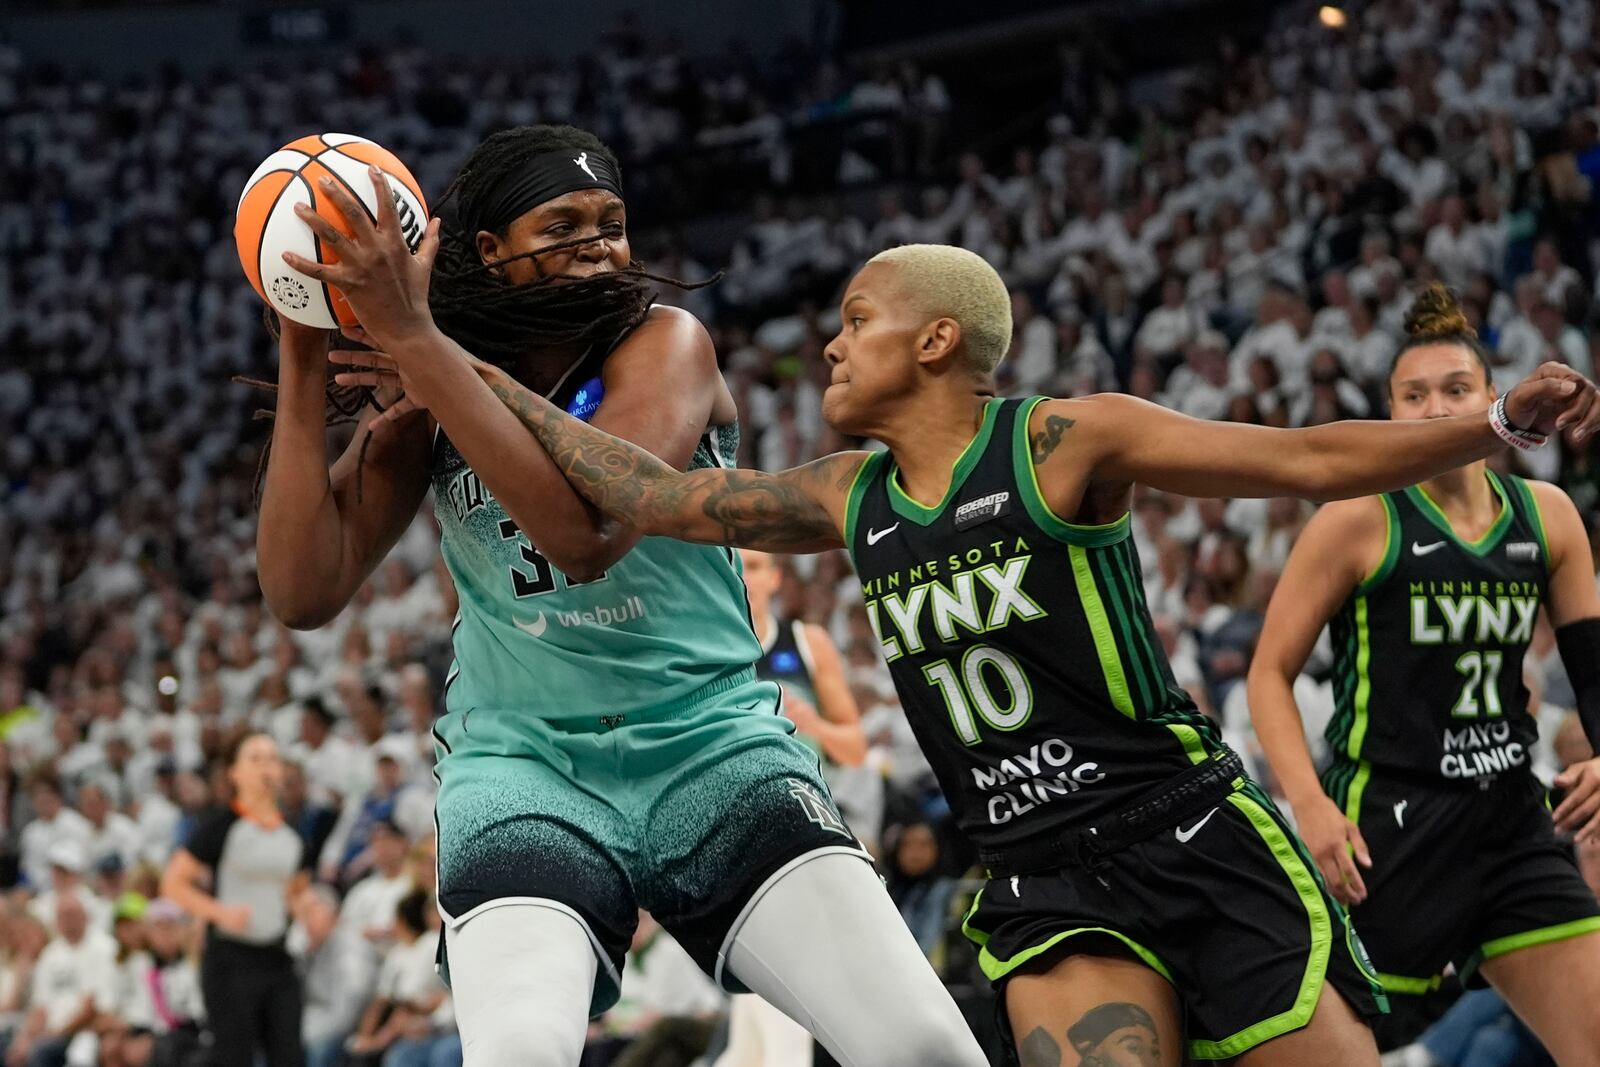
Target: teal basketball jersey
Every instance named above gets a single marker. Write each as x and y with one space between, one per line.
665 620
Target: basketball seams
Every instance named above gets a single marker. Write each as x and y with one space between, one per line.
261 238
266 217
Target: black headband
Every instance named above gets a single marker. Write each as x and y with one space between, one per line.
545 177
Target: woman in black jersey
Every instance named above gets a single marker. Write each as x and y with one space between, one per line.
1144 896
1429 820
256 863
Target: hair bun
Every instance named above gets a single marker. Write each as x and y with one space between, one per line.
1436 313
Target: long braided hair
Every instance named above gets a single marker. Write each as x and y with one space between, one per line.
473 302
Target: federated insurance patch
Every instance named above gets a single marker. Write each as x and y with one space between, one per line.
982 510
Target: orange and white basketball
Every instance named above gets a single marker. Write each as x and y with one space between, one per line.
266 225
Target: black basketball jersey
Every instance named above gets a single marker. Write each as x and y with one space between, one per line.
786 658
1428 649
1021 645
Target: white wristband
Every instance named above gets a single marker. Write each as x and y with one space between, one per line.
1526 440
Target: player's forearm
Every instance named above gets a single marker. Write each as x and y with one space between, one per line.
521 475
742 508
1281 732
1359 458
624 481
299 535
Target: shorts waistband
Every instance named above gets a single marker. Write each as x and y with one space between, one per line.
683 707
1514 781
1183 796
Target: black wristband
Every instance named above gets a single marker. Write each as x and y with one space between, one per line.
1579 643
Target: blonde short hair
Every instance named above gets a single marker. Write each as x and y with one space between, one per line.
944 280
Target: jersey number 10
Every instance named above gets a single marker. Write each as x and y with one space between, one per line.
973 689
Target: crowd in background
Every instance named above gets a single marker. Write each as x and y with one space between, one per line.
1236 241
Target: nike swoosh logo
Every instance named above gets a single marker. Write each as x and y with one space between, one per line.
1183 835
1400 814
536 628
874 536
1423 550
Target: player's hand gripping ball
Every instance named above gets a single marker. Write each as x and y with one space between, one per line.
266 225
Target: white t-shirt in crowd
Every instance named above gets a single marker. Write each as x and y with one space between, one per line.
67 973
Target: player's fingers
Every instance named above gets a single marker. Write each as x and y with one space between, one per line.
1577 816
358 334
388 219
355 214
1350 878
1590 834
1333 875
1574 407
1588 420
372 378
332 273
326 232
1579 804
363 358
1359 844
428 250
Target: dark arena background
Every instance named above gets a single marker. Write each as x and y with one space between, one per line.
1222 207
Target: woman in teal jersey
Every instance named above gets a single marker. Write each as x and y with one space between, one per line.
607 744
1429 821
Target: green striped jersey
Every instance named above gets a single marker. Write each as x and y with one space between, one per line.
665 620
1020 644
1428 649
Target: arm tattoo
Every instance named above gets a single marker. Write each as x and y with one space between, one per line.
1116 1033
1039 1049
1046 440
779 512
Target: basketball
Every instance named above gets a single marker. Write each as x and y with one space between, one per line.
266 226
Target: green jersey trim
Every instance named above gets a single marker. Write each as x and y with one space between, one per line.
923 515
1105 642
1391 548
995 969
1545 935
1410 987
1363 696
1357 790
858 490
1491 537
1530 504
1027 477
1321 927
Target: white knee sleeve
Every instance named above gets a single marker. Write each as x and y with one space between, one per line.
824 944
521 976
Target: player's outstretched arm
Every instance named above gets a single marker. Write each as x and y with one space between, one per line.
1127 440
797 510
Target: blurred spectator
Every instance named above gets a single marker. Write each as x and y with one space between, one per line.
667 1009
338 971
408 1022
72 983
919 886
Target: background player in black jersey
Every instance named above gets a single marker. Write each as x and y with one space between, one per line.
1212 919
803 660
1432 594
